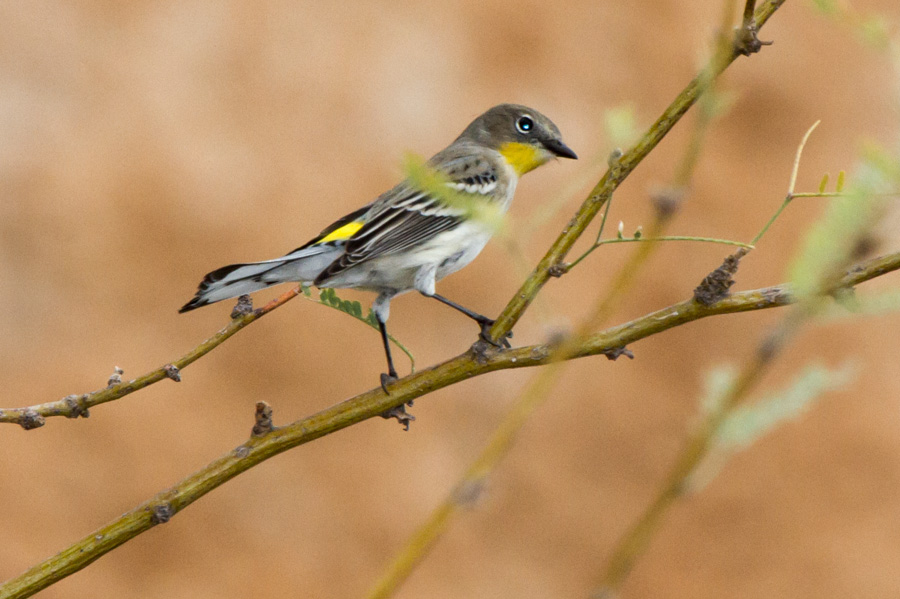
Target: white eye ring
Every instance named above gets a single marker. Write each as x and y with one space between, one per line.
525 124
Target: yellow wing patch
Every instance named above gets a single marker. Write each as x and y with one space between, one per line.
341 233
523 157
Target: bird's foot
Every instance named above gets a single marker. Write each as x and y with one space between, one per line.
388 379
485 334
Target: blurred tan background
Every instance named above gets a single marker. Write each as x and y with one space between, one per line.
143 144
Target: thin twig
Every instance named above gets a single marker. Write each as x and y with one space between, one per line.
635 542
790 194
839 194
798 156
75 406
373 403
677 238
166 504
367 320
669 199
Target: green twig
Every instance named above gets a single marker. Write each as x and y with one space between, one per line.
769 223
818 194
667 201
74 406
676 238
601 193
603 220
603 242
791 186
796 169
840 194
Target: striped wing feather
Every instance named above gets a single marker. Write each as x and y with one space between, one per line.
405 218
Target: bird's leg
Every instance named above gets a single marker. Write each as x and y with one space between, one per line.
381 307
398 412
485 322
391 375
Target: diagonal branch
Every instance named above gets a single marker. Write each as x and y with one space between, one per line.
617 173
259 448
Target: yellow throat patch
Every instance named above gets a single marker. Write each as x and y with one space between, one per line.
523 157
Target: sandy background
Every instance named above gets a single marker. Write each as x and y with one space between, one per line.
143 144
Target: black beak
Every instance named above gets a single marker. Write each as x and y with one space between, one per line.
560 149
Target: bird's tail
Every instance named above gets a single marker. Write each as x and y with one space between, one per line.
302 265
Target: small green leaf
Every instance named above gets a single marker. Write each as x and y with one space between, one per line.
840 181
828 7
620 126
716 102
328 297
423 177
877 304
747 423
718 384
875 31
831 242
823 184
638 232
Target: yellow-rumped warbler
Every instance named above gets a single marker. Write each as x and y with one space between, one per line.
408 238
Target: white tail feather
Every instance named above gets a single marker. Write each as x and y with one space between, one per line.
240 279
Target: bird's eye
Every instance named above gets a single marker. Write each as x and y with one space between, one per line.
525 124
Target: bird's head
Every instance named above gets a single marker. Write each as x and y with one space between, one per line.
525 137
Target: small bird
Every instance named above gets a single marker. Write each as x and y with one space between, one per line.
408 239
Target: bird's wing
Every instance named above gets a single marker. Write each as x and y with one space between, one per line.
340 230
406 217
